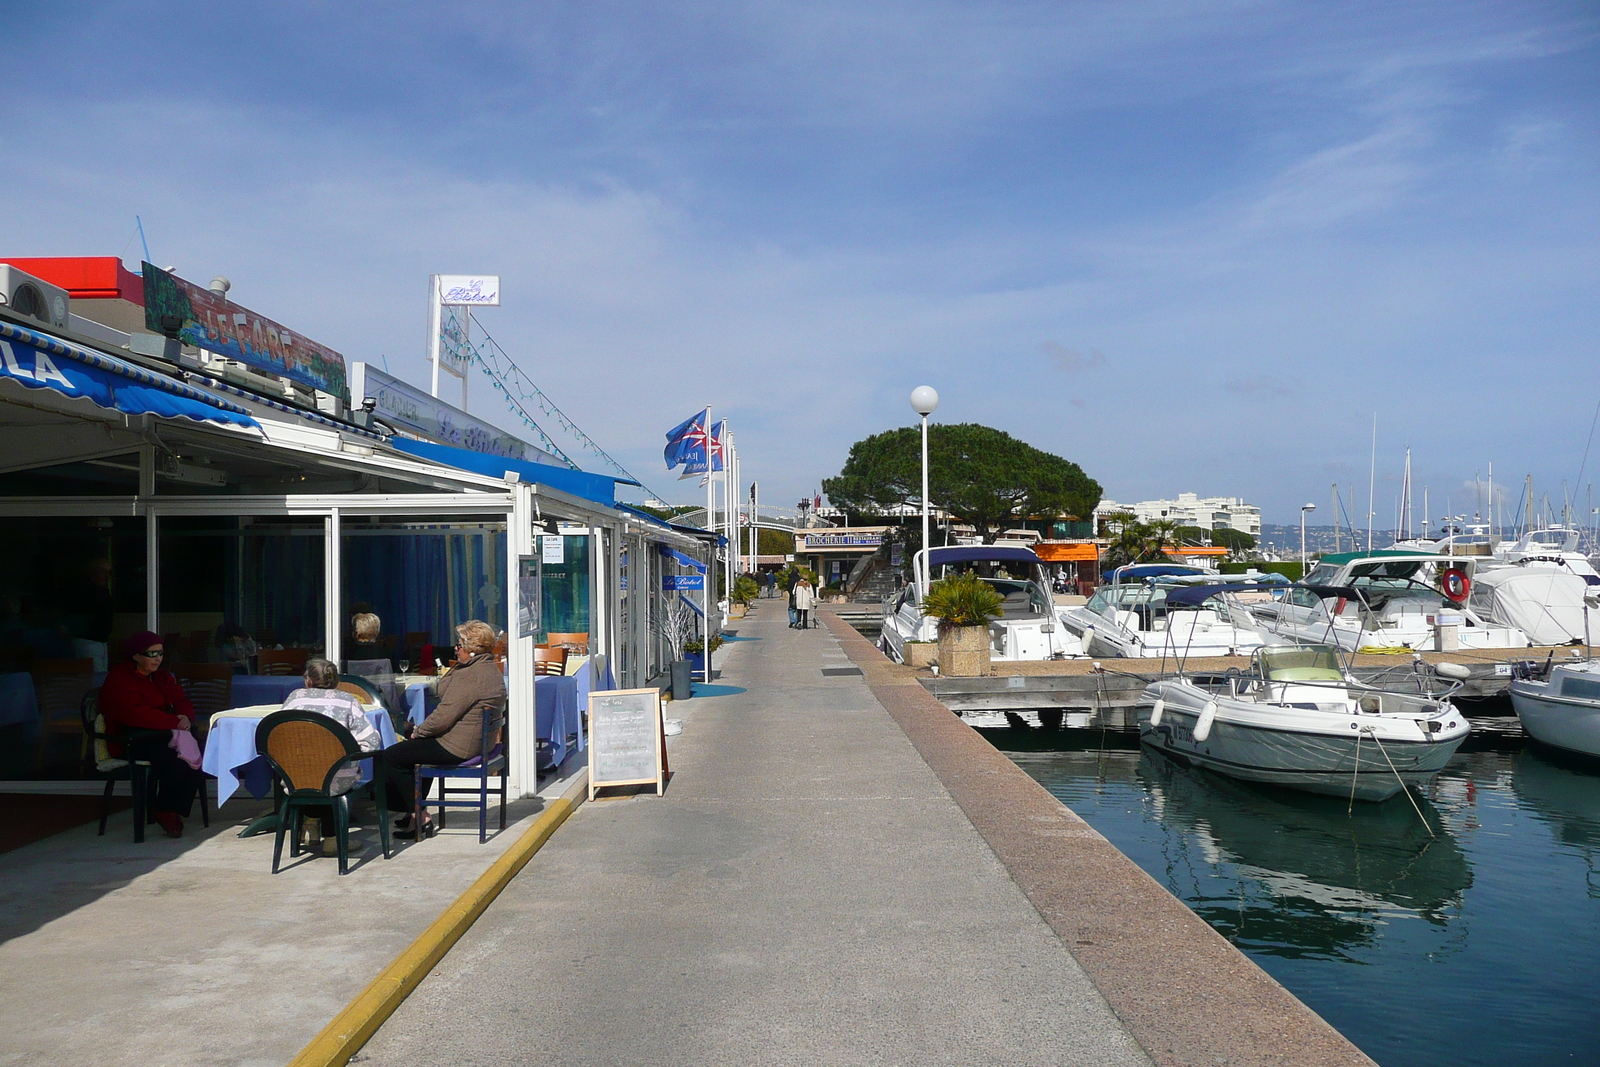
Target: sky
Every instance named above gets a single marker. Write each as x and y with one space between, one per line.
1191 246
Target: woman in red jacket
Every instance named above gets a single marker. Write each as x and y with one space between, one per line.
143 703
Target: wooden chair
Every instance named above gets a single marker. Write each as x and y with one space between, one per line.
281 661
479 768
173 643
306 751
209 687
548 660
197 646
577 644
59 686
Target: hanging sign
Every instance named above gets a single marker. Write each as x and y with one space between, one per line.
627 739
208 320
670 582
555 548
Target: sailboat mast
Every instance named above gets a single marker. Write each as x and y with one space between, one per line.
1372 479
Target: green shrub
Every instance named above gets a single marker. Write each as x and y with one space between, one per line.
745 589
963 600
697 645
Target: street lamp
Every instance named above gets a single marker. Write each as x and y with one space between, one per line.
923 401
1303 509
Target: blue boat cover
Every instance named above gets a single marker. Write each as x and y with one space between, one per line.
1140 571
596 487
940 557
1192 596
40 361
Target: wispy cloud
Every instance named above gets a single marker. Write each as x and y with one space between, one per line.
1073 360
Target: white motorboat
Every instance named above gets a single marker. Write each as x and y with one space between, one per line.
1384 600
1028 627
1562 708
1169 617
1551 604
1298 719
1552 547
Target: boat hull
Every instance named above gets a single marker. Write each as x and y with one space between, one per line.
1316 761
1560 723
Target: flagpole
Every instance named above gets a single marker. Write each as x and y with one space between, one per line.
710 581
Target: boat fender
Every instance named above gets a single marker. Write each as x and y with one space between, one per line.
1155 713
1202 726
1456 584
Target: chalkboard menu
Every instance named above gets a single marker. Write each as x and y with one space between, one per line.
627 739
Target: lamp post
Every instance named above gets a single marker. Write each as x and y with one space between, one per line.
923 401
1303 509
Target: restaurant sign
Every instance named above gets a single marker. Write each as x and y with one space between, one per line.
211 321
407 408
815 539
670 582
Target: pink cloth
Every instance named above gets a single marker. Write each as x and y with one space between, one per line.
188 748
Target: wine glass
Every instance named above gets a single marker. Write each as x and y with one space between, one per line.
405 666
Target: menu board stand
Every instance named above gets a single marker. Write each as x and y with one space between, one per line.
627 739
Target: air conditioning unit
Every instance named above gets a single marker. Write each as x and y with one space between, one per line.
32 298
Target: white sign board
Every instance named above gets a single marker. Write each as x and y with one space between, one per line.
627 739
413 411
476 290
555 548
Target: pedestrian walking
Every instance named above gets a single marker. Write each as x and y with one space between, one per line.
805 598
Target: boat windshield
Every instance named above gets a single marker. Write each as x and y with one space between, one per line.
1300 663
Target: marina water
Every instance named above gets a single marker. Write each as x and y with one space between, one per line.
1476 944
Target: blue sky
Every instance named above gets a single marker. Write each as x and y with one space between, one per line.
1191 246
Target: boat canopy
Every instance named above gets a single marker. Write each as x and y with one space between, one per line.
1192 596
1138 572
941 557
1339 559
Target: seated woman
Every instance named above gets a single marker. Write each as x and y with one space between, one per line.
366 630
323 696
143 703
236 647
453 732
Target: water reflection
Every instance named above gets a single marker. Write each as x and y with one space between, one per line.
1565 794
1276 872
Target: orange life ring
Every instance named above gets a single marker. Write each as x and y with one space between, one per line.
1456 584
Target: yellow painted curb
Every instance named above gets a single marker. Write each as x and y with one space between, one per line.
360 1019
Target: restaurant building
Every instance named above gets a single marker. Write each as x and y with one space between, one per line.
176 462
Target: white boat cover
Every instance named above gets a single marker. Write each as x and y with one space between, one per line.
1544 602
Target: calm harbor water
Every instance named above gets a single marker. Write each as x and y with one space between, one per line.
1478 945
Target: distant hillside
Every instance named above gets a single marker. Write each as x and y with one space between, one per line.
1285 540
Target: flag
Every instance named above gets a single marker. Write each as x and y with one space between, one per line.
686 444
719 435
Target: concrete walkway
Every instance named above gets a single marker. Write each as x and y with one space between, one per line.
807 892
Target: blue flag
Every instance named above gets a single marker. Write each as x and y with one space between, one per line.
719 433
687 443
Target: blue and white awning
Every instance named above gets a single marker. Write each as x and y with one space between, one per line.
40 361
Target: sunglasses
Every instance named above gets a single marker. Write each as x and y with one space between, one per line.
154 653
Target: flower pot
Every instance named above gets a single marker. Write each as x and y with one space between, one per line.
964 651
921 654
697 663
737 610
682 679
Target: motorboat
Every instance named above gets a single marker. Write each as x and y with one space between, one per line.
1028 627
1299 719
1560 705
1172 617
1553 605
1551 547
1384 600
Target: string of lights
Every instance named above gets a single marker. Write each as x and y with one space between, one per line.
505 375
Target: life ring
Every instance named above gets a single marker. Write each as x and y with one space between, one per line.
1456 584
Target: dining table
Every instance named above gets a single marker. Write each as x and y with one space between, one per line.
18 701
232 759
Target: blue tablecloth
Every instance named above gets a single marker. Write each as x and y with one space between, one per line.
17 700
558 716
231 755
253 690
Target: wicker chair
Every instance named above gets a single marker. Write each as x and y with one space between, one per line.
281 661
480 768
548 660
305 751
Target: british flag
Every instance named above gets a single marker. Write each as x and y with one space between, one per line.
688 443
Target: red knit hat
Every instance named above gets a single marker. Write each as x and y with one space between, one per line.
141 641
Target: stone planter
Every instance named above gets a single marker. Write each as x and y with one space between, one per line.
921 654
963 651
737 610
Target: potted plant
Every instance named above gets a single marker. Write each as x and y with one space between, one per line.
745 590
676 623
694 651
963 604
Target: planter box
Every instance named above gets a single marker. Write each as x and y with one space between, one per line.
921 654
964 651
738 611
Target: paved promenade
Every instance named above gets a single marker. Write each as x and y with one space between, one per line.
806 893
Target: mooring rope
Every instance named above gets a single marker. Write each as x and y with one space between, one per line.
1402 782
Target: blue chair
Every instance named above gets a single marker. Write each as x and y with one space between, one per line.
480 768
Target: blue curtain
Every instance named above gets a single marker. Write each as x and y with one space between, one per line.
421 581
